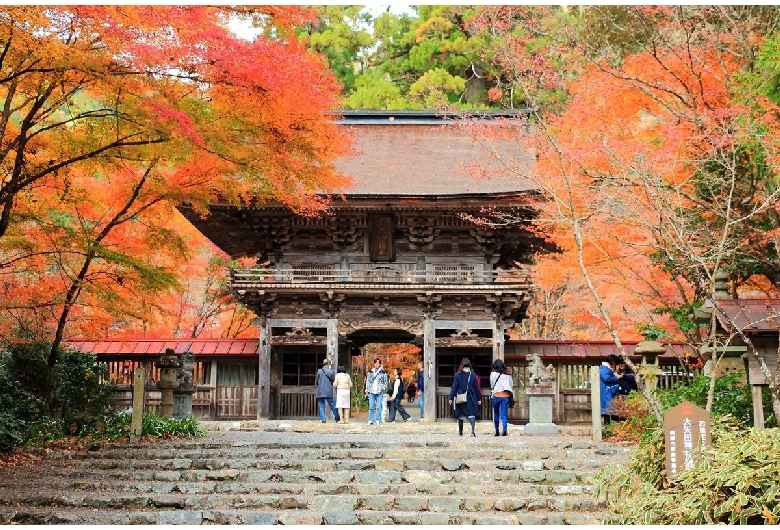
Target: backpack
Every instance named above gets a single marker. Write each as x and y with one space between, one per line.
400 389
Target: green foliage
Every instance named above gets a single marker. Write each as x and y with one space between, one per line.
403 61
20 409
79 390
157 426
116 425
735 481
356 397
651 331
682 314
44 430
111 426
732 396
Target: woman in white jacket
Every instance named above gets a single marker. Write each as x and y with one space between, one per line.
342 384
500 390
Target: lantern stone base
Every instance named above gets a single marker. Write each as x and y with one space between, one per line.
182 402
540 411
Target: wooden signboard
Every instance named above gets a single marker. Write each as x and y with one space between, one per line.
687 430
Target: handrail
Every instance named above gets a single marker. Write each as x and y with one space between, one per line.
377 274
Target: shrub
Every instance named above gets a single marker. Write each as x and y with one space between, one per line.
116 425
735 481
20 409
80 390
732 396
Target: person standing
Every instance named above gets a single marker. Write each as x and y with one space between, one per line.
421 389
324 381
627 379
500 390
395 400
376 382
609 386
342 385
411 391
465 383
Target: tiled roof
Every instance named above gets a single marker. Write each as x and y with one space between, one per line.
756 315
248 347
431 160
200 347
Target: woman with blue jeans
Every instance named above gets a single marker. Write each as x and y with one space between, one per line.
376 383
501 388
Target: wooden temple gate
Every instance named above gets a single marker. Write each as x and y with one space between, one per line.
400 260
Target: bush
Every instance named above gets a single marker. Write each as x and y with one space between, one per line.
20 409
80 390
732 396
116 426
735 481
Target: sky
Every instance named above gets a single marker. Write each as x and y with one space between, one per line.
245 30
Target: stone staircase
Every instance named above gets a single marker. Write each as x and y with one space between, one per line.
311 473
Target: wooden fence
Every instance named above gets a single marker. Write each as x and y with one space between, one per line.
214 399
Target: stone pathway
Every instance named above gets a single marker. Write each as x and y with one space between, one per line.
306 472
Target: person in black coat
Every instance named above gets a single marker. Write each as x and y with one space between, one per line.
627 382
466 382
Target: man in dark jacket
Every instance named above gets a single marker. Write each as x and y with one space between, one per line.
324 382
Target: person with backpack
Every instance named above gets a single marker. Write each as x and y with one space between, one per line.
395 399
324 382
376 383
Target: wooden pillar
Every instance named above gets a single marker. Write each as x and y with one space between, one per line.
595 402
758 408
264 371
429 366
498 339
333 342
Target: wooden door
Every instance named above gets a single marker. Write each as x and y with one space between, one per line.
237 390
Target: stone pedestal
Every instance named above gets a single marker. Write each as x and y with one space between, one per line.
540 410
182 401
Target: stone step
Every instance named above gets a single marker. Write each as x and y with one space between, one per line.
485 474
282 488
394 462
290 517
265 477
227 453
505 501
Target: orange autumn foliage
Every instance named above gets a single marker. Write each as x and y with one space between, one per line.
114 114
617 152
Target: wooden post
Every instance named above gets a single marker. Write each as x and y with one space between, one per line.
758 408
264 371
595 402
429 359
139 387
498 339
333 342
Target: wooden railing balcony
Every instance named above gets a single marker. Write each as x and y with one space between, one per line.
376 274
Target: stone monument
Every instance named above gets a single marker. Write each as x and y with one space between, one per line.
540 392
182 396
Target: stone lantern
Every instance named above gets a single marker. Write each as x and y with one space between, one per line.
649 371
168 365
